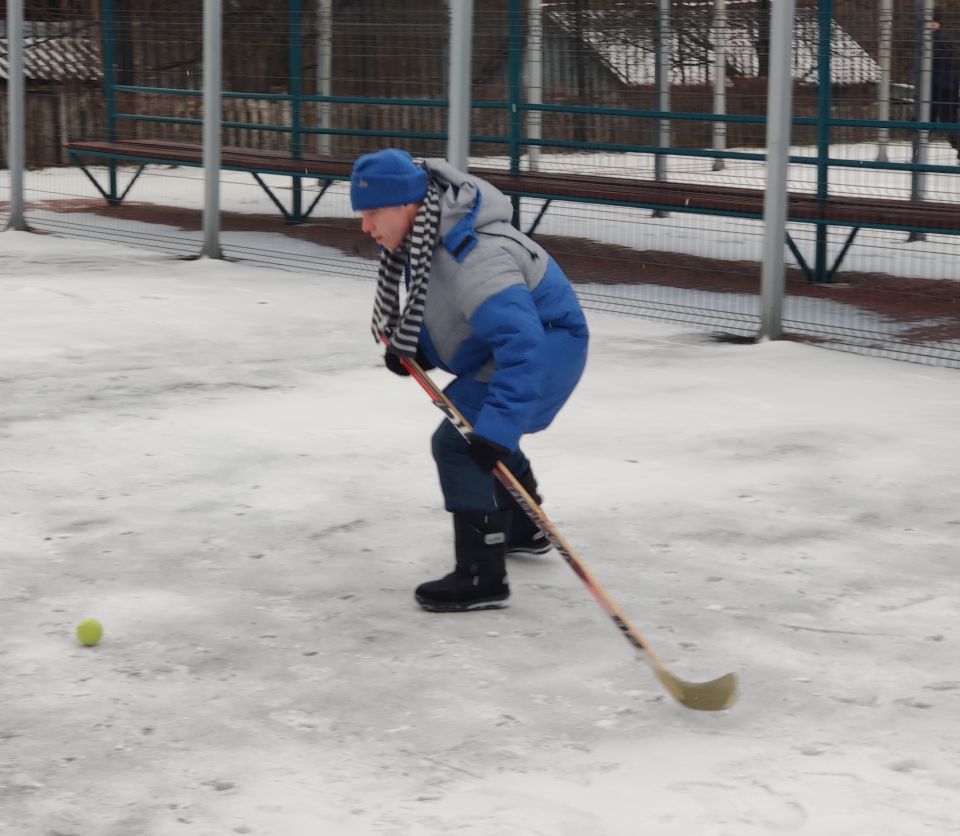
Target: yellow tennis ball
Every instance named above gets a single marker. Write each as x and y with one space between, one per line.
89 632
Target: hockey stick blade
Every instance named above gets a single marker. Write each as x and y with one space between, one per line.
715 695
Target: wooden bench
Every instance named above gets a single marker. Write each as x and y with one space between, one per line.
845 211
256 162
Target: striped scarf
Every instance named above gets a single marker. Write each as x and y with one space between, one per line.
403 329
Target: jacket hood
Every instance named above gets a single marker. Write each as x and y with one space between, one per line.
468 204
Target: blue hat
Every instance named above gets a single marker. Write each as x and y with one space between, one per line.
386 178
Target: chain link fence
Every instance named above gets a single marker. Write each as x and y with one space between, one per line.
672 91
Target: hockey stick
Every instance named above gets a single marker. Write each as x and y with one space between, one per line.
714 695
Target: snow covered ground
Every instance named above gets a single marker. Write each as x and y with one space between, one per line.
210 458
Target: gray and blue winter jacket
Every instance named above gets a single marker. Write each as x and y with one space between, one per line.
499 314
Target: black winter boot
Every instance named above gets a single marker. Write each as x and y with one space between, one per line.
479 581
524 538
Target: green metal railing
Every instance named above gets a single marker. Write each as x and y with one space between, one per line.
514 141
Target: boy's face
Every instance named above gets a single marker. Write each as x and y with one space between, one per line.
389 225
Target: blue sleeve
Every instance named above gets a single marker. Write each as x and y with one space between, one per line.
509 323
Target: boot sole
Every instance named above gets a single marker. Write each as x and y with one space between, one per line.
531 551
462 606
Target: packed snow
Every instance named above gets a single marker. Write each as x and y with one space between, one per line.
210 458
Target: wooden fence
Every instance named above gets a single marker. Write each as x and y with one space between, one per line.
52 117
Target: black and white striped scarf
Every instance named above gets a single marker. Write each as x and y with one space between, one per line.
403 329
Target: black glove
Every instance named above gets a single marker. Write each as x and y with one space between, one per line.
392 362
485 453
395 364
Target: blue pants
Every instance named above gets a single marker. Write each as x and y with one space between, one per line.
465 485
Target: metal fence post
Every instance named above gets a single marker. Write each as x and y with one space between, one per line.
458 113
324 71
534 80
295 91
109 92
921 107
883 100
663 69
779 104
824 110
719 39
212 117
16 94
514 93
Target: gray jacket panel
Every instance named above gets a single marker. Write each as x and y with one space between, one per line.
501 257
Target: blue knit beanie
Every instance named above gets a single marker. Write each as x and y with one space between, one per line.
386 178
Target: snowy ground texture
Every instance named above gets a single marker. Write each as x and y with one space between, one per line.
210 458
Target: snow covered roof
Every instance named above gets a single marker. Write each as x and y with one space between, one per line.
630 53
55 59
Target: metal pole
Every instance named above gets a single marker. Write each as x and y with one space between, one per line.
824 108
719 79
110 68
662 71
534 79
295 91
16 93
109 93
458 113
324 70
883 99
779 95
212 115
922 96
514 92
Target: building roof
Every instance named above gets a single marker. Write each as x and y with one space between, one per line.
629 52
55 59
